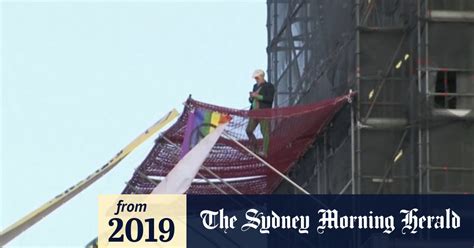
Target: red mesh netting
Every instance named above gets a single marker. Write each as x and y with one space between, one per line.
293 130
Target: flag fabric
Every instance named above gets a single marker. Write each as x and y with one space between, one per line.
179 179
199 124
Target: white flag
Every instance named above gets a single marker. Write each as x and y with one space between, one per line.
179 179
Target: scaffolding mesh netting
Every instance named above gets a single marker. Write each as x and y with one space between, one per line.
292 131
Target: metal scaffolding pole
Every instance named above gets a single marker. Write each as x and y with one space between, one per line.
426 97
353 166
420 133
450 16
358 136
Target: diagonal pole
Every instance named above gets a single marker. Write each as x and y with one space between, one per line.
266 163
29 220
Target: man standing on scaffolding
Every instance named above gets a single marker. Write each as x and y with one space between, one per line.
261 97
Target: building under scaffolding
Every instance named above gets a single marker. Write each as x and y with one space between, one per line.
412 64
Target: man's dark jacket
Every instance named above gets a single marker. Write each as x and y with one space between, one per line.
267 90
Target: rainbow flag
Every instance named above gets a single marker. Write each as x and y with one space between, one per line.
200 123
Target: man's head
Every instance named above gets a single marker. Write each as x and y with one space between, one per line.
259 76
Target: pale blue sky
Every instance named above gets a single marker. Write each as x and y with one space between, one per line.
79 80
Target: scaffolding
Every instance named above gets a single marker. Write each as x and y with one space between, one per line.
394 138
447 99
382 111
